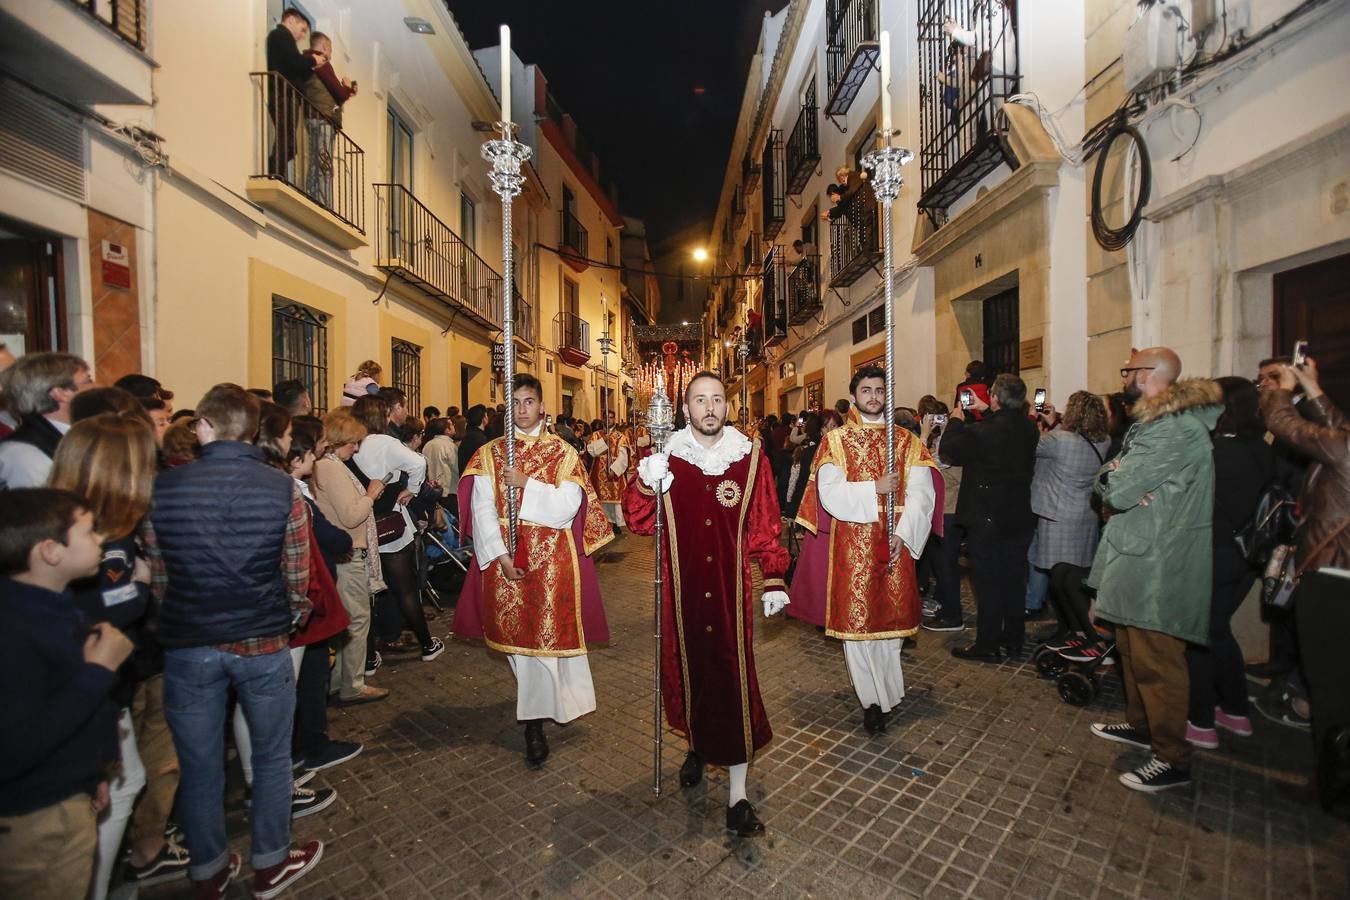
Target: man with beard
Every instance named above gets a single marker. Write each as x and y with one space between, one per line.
853 579
541 606
720 512
1153 568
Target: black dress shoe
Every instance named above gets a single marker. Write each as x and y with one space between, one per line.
536 745
874 720
742 821
976 653
691 772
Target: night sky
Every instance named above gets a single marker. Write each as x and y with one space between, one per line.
627 71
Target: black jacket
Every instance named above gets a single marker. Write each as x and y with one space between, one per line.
39 432
113 596
58 725
998 460
285 57
220 523
473 439
334 543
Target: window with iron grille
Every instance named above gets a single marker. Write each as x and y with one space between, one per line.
1002 338
406 361
300 348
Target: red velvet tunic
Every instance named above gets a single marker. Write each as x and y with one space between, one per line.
714 526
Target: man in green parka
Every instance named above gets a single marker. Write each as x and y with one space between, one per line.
1152 570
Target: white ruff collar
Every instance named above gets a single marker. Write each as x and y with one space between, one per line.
729 450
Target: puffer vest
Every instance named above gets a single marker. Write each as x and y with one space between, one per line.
220 523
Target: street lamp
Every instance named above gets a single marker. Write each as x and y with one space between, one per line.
700 254
606 348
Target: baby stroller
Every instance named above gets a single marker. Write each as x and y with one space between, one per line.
1075 656
445 561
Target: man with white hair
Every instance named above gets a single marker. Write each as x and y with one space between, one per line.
38 391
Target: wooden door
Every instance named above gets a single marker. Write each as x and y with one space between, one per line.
1313 303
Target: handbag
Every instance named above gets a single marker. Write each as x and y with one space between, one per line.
1282 575
390 526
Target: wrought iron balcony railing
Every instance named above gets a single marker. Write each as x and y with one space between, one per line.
411 242
855 238
750 172
126 18
572 336
774 195
851 51
298 145
775 296
803 287
574 236
964 79
750 254
803 146
738 205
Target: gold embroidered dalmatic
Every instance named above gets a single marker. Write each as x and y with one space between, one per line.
539 615
866 600
608 486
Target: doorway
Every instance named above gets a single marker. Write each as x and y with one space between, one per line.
1312 303
32 293
1002 338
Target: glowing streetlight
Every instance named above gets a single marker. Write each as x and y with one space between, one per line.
700 255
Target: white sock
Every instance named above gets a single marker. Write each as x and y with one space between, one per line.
736 786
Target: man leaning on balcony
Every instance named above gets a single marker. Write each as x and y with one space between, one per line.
285 59
323 117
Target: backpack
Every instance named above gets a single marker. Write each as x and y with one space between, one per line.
1271 525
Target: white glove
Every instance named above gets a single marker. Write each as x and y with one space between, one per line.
644 441
654 471
597 447
774 601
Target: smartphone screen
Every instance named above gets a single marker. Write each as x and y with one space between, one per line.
1040 399
966 398
1300 355
939 418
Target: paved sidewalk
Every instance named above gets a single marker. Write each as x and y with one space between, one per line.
985 785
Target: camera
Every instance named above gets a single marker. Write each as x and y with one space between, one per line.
967 398
1300 354
1040 399
939 419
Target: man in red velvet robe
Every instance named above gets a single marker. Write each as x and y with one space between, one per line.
721 512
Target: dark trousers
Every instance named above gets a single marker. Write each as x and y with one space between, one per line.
401 606
1217 673
1322 612
948 568
1070 601
311 702
1153 669
999 575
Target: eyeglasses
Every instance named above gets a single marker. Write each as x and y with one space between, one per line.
1125 373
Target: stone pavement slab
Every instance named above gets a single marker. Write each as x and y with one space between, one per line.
985 785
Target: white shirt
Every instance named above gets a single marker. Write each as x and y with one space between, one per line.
381 458
540 503
856 501
25 466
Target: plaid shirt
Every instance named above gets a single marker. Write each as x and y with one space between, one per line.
294 568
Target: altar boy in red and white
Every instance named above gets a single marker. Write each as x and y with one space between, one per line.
721 513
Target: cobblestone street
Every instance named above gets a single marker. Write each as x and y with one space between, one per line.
985 785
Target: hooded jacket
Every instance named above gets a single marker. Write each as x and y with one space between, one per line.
1153 567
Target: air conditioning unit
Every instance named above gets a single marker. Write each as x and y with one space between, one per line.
1153 45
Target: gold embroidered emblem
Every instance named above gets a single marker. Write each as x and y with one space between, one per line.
729 493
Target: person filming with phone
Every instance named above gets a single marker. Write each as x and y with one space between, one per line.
1317 429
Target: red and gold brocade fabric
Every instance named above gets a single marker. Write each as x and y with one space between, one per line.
864 598
715 525
539 615
608 486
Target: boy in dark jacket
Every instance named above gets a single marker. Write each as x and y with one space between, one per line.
58 729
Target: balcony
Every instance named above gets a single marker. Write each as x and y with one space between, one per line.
572 338
803 147
774 196
775 297
321 188
750 254
803 287
81 51
416 246
738 206
851 52
855 238
575 246
750 172
962 132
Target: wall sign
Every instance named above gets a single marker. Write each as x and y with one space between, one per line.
116 265
1030 354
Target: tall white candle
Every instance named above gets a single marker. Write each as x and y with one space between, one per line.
886 83
506 73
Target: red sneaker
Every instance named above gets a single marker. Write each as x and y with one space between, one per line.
213 888
273 880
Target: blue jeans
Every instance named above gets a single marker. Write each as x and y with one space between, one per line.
197 685
1038 580
319 174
